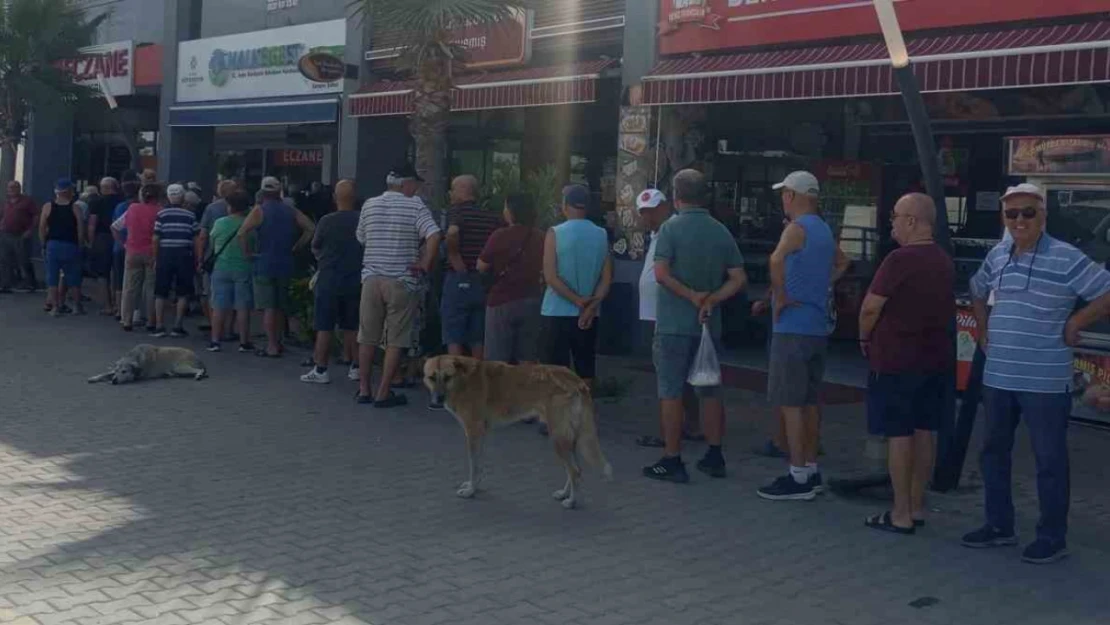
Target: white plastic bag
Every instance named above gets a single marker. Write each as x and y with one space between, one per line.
706 370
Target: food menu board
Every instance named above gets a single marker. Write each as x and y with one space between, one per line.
1080 155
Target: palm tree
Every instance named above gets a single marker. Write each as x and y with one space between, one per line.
34 36
429 55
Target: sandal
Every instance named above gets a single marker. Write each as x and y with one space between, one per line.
883 522
648 440
393 400
403 384
262 353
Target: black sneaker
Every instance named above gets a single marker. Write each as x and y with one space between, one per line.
712 466
1042 551
668 470
988 536
151 330
786 488
247 347
817 483
179 333
214 347
158 333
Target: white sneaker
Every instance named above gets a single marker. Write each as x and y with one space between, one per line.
352 374
315 377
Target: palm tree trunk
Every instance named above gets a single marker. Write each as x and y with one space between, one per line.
430 119
8 152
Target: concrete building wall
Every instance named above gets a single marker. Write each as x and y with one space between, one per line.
227 17
136 20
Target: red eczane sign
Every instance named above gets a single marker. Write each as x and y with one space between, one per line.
704 25
299 158
111 64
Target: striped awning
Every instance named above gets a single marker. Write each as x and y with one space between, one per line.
534 86
1026 57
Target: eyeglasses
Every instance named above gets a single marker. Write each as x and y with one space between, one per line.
1027 212
1012 287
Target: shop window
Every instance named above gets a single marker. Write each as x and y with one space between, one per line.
957 212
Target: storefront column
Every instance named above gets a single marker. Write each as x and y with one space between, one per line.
183 153
48 151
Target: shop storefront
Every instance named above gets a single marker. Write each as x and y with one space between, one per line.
269 98
538 98
108 141
738 93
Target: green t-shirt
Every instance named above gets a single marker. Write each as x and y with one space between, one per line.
701 251
231 259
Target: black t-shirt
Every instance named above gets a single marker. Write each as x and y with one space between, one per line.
103 206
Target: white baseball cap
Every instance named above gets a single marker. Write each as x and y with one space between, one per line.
271 184
1025 188
800 182
650 198
175 191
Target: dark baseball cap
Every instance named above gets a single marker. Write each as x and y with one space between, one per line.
577 196
405 171
63 184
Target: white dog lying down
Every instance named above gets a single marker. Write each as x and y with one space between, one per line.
147 362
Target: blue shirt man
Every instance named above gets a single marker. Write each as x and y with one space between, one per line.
1036 281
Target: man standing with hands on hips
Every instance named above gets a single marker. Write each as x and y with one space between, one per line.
698 266
1036 281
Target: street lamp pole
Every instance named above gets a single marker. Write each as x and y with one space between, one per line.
946 470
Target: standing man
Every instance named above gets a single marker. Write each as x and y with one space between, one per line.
391 228
654 211
63 236
802 267
175 231
119 256
101 208
903 332
338 283
463 304
578 271
699 267
17 227
1036 281
277 224
216 210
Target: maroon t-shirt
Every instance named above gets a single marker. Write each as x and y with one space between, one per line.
911 335
522 272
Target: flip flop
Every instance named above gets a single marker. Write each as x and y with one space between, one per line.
648 440
262 353
393 400
883 523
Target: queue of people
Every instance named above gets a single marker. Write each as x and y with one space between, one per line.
507 283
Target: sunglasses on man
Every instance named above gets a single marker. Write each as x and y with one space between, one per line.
1027 212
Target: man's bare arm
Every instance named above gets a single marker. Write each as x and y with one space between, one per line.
307 230
869 313
454 255
431 251
792 240
737 280
979 308
841 264
253 220
1089 314
551 273
44 228
665 278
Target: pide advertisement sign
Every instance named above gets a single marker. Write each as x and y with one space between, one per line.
702 25
113 61
262 64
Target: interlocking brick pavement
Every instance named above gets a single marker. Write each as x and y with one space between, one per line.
253 498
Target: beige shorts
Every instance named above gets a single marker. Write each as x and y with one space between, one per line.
386 307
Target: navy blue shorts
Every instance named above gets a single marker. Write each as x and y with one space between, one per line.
463 309
62 257
336 307
901 403
174 270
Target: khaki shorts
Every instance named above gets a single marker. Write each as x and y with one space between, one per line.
386 307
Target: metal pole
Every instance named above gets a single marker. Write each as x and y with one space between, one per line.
927 154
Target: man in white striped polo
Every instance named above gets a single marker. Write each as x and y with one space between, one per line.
1036 281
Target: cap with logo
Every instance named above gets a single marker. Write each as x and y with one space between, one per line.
271 184
650 198
1024 188
175 191
800 182
576 196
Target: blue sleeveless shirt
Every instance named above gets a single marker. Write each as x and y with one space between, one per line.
276 237
808 276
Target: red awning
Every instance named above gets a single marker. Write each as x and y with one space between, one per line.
533 86
1027 57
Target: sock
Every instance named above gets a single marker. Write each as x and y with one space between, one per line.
320 369
812 468
800 474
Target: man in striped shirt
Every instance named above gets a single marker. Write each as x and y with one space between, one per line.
175 231
463 303
1036 281
392 228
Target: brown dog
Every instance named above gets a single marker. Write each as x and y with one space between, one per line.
483 394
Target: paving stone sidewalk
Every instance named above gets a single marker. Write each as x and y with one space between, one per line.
253 498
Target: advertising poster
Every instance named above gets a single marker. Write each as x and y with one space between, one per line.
967 336
1091 387
262 64
1060 156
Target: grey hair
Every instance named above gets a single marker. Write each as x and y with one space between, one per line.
394 181
108 180
192 198
689 186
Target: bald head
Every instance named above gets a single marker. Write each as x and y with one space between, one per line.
914 218
345 194
464 189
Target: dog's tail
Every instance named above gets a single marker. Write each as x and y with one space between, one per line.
587 443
